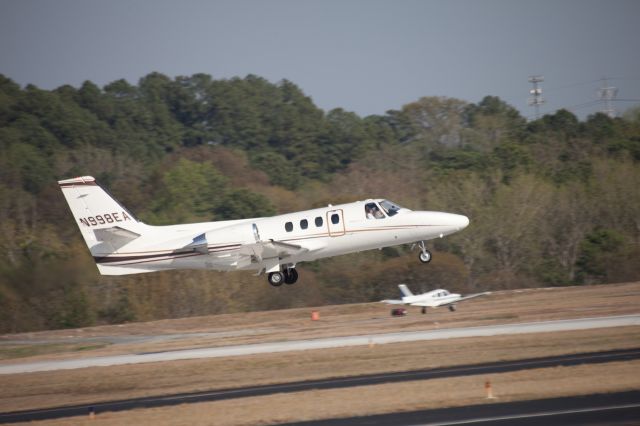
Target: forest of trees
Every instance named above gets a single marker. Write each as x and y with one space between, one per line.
552 202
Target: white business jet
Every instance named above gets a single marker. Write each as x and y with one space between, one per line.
430 299
121 245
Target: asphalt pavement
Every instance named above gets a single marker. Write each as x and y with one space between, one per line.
621 408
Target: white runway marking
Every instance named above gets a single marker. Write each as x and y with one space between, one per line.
325 343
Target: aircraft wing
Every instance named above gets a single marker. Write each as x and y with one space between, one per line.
470 296
271 249
245 255
392 302
429 304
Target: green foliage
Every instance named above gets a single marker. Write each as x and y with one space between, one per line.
189 191
242 204
598 252
552 202
280 171
23 165
460 159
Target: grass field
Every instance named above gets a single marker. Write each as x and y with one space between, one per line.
340 320
379 399
35 390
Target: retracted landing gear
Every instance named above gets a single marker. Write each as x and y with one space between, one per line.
425 255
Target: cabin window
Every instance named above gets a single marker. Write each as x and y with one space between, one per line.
335 218
372 211
304 224
288 226
319 221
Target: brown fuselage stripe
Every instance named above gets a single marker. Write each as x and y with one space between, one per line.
152 257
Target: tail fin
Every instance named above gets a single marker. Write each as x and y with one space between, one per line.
105 224
405 290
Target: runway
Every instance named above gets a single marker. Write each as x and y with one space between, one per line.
324 343
622 408
335 383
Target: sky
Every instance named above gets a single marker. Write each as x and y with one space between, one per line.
366 56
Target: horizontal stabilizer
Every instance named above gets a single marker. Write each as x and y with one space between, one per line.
115 232
112 239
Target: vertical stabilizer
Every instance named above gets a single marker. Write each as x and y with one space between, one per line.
105 224
405 290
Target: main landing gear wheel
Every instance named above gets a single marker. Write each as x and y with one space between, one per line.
276 279
424 310
290 276
452 308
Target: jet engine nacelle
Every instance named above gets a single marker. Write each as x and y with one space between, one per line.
240 233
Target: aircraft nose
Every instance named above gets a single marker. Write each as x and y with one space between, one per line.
462 221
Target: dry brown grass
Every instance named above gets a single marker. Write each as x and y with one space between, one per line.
91 385
341 320
378 399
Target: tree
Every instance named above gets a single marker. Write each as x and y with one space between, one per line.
190 192
436 120
241 204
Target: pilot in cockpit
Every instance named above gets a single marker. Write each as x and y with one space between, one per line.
373 212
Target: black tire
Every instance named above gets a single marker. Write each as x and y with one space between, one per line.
276 279
425 256
290 276
424 310
452 308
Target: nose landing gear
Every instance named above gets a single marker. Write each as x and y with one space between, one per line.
425 255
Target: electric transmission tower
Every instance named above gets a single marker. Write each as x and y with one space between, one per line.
608 94
536 98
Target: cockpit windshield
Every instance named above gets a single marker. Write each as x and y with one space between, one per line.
390 208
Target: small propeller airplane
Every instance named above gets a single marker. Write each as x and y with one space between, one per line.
430 299
120 244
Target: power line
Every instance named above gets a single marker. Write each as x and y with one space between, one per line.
568 86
